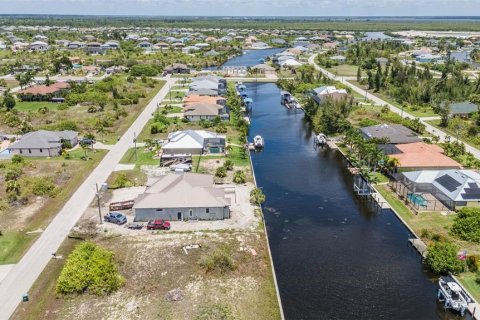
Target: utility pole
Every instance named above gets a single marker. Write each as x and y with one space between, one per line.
98 203
135 144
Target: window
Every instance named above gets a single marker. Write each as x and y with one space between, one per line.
208 210
21 151
29 150
190 212
41 150
159 210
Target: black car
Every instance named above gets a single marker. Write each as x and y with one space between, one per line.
88 141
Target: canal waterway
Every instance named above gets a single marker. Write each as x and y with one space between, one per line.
335 257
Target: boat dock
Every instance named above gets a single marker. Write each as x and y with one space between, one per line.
419 245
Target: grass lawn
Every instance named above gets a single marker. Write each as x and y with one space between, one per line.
380 177
112 136
468 281
14 243
347 70
34 105
422 112
12 246
137 176
452 133
143 158
238 157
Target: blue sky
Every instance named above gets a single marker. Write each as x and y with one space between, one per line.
245 7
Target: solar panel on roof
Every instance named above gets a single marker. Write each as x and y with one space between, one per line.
473 185
448 183
470 196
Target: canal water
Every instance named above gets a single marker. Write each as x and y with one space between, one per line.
335 258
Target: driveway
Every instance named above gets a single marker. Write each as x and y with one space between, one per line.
22 276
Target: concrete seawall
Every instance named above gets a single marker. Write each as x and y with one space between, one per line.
268 245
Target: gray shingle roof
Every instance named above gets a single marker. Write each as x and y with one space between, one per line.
43 139
394 132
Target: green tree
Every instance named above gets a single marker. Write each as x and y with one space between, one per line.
466 225
221 172
442 258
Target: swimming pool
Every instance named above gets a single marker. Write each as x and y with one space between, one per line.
417 199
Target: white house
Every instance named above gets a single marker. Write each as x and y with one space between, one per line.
194 142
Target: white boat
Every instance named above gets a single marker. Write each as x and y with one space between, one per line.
258 142
320 139
181 167
452 295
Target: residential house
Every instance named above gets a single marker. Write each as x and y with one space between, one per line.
264 69
75 45
145 46
194 98
209 83
205 111
39 46
186 196
43 92
462 109
393 133
194 142
419 156
178 68
340 59
111 45
454 188
324 93
43 143
95 48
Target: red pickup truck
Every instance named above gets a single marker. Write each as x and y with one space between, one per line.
158 224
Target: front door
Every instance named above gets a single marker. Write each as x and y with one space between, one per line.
179 216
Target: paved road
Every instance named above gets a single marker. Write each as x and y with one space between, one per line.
23 275
442 135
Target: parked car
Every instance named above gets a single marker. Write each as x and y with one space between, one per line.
135 226
158 224
115 217
88 141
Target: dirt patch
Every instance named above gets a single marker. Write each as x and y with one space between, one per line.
156 265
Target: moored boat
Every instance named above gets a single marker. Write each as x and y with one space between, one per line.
258 142
452 295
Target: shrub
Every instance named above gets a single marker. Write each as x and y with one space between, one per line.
139 70
442 258
38 186
466 225
257 197
121 181
89 268
239 177
221 172
228 164
472 263
18 159
220 260
216 311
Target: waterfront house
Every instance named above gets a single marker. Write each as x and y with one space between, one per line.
322 94
454 188
393 133
263 69
419 156
43 143
145 46
185 196
194 142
